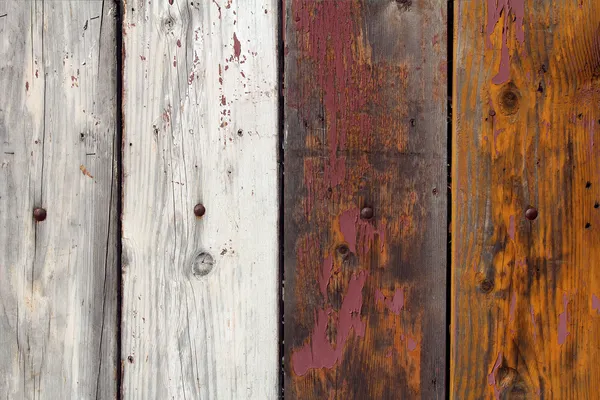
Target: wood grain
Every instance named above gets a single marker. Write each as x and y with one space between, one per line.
525 320
58 278
200 294
365 127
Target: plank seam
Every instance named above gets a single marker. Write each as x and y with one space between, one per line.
119 173
449 127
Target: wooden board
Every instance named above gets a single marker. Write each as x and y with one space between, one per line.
200 294
525 293
365 126
58 278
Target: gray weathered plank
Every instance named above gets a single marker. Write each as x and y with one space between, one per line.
200 126
57 129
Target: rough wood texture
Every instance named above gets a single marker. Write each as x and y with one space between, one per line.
365 126
525 294
200 294
58 278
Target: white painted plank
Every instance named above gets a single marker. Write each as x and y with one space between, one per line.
200 116
58 278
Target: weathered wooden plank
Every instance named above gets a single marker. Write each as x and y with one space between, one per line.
365 129
58 278
525 292
200 294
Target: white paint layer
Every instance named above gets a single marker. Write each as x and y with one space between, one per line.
200 116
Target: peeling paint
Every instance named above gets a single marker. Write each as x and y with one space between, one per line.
562 322
319 353
495 10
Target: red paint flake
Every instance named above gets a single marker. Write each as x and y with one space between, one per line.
226 67
223 100
27 86
178 43
37 73
237 47
73 79
495 10
191 78
358 231
242 73
562 322
174 63
228 6
142 58
318 352
395 304
171 2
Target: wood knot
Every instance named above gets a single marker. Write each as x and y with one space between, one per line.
506 379
168 24
509 99
404 4
343 251
486 285
202 265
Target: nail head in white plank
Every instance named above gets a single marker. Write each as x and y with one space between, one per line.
58 278
200 294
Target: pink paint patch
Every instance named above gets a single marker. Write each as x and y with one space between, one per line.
319 353
595 303
492 375
495 10
411 344
237 47
562 322
359 232
326 270
396 304
513 306
511 227
178 43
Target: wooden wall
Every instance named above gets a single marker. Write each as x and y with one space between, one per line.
365 199
250 199
525 290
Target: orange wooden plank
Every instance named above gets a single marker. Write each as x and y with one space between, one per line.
525 291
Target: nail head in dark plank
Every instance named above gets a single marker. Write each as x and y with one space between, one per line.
58 219
525 286
365 205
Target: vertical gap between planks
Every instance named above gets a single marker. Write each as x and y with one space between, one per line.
280 149
449 82
118 154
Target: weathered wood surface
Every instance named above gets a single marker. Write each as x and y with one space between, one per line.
525 293
58 278
200 294
365 126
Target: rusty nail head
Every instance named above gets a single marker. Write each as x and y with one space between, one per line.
366 213
343 249
199 210
531 213
39 214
